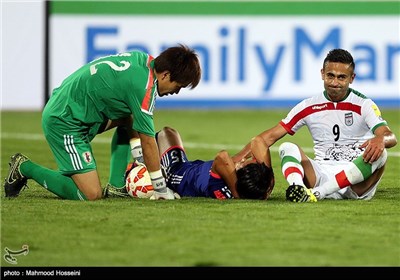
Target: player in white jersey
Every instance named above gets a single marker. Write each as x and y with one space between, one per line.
350 139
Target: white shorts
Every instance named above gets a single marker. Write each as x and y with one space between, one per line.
326 172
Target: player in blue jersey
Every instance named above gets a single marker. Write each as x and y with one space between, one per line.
220 178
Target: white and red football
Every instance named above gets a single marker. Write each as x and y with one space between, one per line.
138 182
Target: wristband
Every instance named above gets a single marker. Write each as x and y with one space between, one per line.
158 181
136 150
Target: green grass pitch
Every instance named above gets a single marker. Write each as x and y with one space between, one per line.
196 232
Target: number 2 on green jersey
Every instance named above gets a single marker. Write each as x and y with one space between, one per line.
125 64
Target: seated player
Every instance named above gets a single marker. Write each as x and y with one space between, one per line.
220 178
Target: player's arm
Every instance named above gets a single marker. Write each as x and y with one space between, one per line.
384 138
136 146
260 151
270 136
150 152
152 162
224 166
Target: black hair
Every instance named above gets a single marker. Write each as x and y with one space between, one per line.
255 181
182 63
340 55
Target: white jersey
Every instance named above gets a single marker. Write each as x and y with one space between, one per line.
337 128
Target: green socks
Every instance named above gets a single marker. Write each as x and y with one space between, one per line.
120 156
54 181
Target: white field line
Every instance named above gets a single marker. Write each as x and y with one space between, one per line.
99 139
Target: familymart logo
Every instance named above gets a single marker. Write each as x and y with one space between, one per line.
10 255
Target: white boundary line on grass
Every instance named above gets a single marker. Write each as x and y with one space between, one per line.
40 137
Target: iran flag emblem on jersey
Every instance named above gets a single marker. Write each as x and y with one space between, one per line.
348 119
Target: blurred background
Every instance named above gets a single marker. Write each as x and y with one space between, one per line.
257 54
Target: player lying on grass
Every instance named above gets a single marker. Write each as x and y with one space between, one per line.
117 91
220 178
350 139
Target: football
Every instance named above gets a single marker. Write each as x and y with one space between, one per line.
138 182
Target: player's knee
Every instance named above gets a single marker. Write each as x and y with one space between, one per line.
288 148
94 194
169 131
381 160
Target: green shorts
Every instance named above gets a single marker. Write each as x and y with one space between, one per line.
70 144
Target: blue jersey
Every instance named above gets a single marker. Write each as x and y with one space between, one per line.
192 178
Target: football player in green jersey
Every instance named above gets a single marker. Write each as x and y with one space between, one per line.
117 91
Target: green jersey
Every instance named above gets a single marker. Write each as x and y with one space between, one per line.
111 87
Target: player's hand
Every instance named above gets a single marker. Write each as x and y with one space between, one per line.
374 148
169 194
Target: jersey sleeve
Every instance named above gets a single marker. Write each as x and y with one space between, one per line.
142 119
144 123
143 98
294 119
372 115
